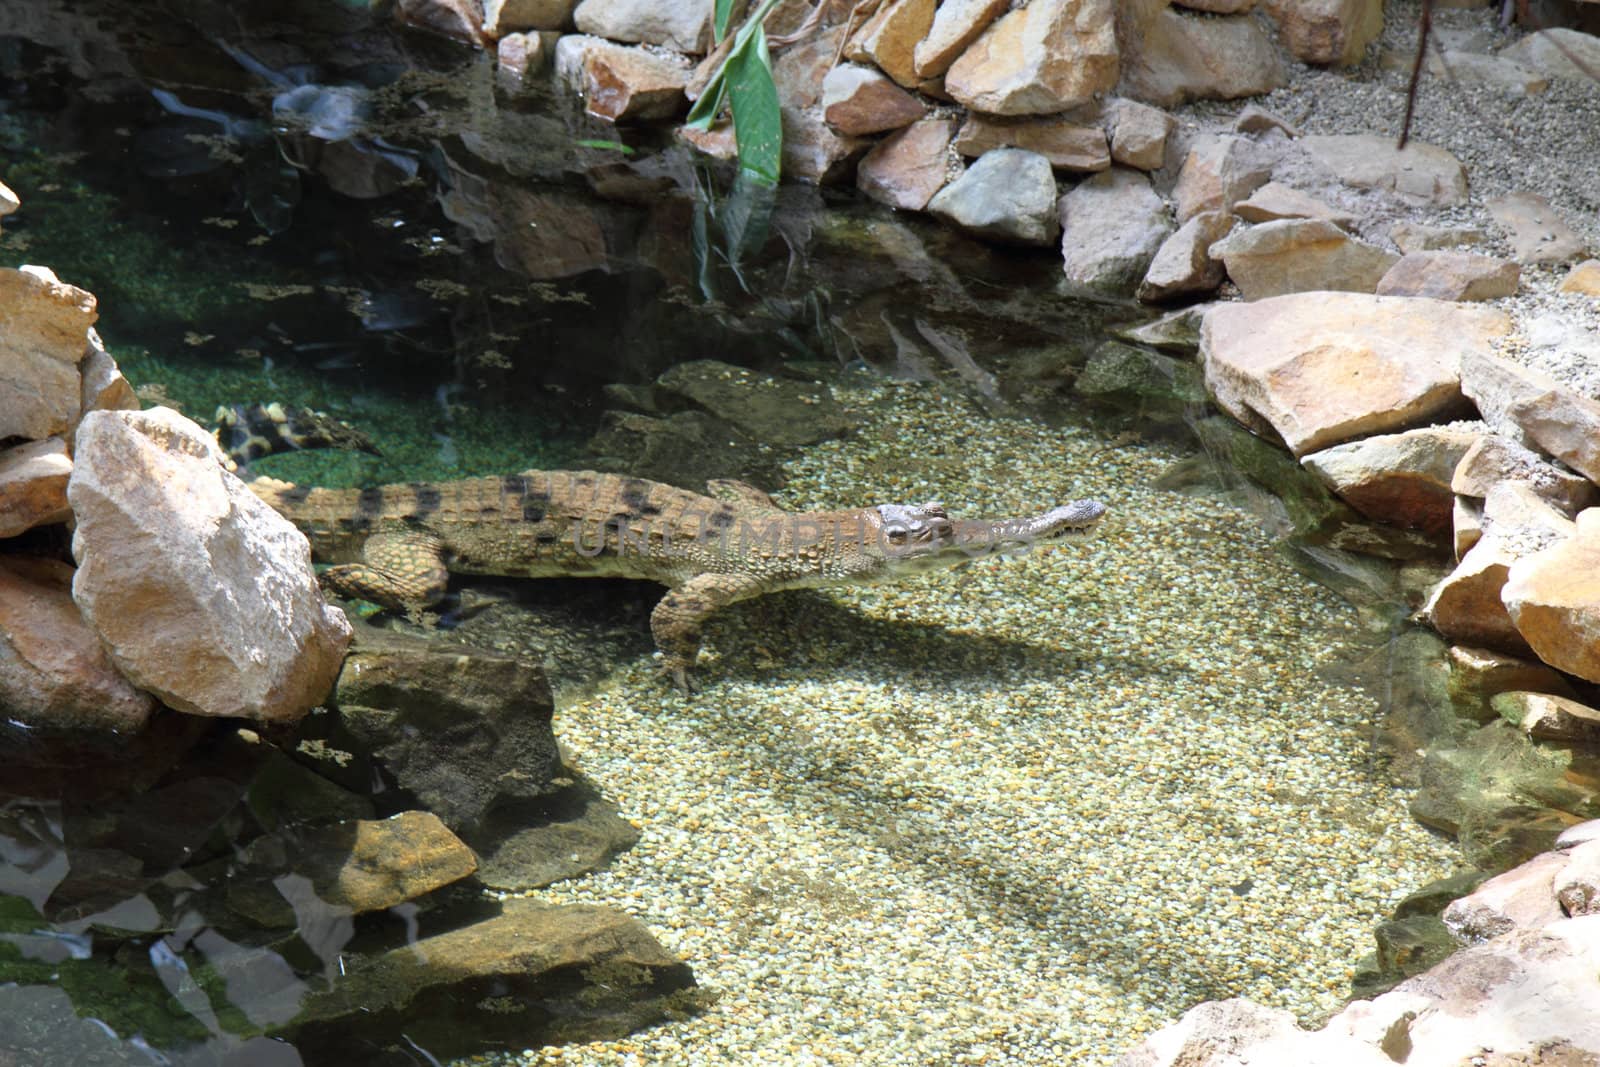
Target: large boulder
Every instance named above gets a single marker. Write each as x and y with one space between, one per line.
53 672
1318 369
1050 56
1553 596
202 594
44 326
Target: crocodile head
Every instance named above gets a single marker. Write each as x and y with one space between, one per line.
922 537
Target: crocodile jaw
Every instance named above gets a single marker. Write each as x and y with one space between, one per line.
935 542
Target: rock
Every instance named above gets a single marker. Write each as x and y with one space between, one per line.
1563 424
1581 834
956 24
104 387
535 974
1497 72
1411 945
1478 675
1577 885
1467 605
1558 52
1274 201
811 151
1176 331
1219 171
461 19
1218 7
1522 898
1402 479
1137 380
1553 597
1300 255
33 485
1494 459
633 84
1139 134
572 833
1496 384
682 27
889 39
1549 718
858 100
1283 365
347 868
1169 57
9 201
1417 237
461 729
906 168
1421 174
1007 195
1583 278
53 673
502 18
1536 232
201 593
1207 1034
683 448
1067 145
1112 226
1183 265
1451 276
1048 57
1255 119
43 327
1327 31
773 411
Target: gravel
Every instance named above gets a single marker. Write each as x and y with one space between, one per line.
1021 813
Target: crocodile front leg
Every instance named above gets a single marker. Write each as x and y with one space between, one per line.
404 571
676 620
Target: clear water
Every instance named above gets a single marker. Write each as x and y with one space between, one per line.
1019 814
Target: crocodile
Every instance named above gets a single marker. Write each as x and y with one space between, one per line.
396 545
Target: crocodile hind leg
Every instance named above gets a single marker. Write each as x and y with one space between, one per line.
675 622
402 570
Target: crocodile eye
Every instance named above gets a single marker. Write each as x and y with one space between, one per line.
896 535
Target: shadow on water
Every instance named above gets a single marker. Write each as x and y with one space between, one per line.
303 204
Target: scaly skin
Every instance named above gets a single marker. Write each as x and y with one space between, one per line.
397 545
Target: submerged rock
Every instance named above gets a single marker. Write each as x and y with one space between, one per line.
774 411
202 594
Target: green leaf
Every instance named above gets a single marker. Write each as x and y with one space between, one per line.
757 116
723 15
614 146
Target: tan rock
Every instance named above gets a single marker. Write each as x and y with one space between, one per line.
1048 57
1274 201
1421 174
719 142
201 593
1478 675
504 17
1183 265
1255 119
1418 237
1559 52
43 327
461 19
1466 523
1139 134
1219 172
1467 606
1553 596
1550 718
53 672
33 485
1583 278
1218 7
1522 898
1495 384
1328 31
1451 276
800 71
906 168
682 27
814 153
1317 369
1564 425
1537 233
351 867
1495 71
103 386
889 39
1169 57
956 24
633 84
859 100
1495 459
1067 145
1402 479
1577 885
1300 255
9 201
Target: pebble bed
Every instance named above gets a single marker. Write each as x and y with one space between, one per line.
1024 812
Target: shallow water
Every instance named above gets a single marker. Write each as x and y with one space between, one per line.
1023 812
